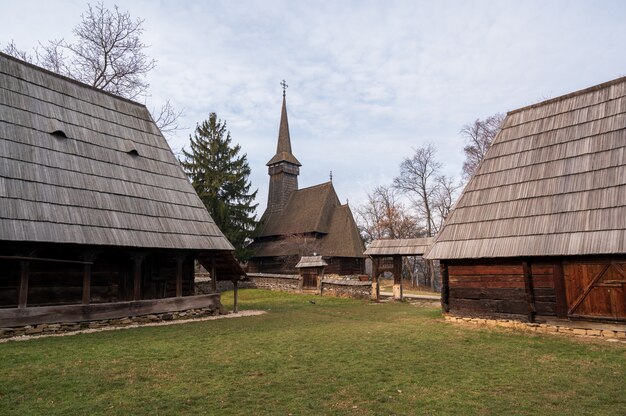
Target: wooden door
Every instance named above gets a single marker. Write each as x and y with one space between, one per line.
309 280
596 289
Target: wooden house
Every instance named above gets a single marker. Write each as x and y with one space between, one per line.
303 222
97 218
540 230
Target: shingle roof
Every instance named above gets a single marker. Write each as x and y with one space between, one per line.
311 261
310 210
112 180
283 148
402 247
553 183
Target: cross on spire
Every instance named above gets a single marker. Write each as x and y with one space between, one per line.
285 86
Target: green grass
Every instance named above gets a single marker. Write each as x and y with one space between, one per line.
336 356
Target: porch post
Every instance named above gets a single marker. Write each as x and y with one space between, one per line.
23 294
179 276
528 286
397 277
445 287
89 256
213 275
235 284
375 286
137 259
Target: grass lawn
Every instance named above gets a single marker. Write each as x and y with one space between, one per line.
334 356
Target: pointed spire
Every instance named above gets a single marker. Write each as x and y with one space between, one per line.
284 141
283 149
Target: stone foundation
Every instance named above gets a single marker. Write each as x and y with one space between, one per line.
75 326
571 329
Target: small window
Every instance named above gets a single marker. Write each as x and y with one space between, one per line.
60 134
133 152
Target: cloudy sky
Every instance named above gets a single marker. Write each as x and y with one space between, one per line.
368 81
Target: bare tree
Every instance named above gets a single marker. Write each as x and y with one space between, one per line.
418 180
478 137
444 197
384 216
167 118
107 53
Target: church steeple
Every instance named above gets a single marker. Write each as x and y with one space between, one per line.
283 149
283 168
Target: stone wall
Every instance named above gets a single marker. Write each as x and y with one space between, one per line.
613 334
346 288
284 282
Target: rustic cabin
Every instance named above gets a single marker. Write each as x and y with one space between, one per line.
97 219
303 222
387 257
540 230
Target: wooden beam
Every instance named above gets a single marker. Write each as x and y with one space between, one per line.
88 258
32 258
375 271
559 290
137 259
23 295
528 286
445 287
179 276
213 275
235 284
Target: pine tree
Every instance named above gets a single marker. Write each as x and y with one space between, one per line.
220 177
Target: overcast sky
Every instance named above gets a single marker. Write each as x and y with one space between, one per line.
368 81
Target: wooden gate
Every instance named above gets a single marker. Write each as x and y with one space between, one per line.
309 280
596 289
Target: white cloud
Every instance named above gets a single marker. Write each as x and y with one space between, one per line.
368 81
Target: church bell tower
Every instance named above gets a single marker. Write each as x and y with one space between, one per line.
283 168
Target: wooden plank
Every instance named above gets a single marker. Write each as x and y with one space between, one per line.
137 259
586 291
86 283
487 284
97 311
485 293
485 269
179 276
235 285
213 275
528 286
559 290
23 291
43 259
445 288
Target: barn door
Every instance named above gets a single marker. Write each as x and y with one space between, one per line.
596 289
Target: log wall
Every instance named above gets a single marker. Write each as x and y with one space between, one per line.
490 288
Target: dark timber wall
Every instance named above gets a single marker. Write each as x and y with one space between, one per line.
507 288
589 288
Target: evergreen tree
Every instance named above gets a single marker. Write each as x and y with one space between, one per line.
220 177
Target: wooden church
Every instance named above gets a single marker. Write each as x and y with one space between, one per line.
303 222
540 229
97 218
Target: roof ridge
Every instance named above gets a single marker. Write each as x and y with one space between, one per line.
569 95
72 80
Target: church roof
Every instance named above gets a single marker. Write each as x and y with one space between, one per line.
310 210
79 165
307 210
553 183
283 149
